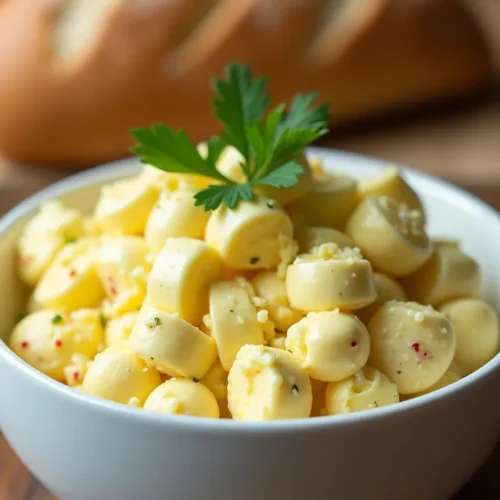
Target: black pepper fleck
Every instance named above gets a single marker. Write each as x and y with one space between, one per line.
254 260
399 372
231 310
196 380
295 389
270 204
151 358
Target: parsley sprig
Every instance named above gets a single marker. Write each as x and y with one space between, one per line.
268 141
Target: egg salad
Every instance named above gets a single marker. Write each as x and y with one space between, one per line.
240 279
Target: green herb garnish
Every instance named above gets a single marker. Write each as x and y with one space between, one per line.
57 318
269 142
152 322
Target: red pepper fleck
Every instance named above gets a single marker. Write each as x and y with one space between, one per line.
113 290
72 273
58 343
24 344
76 376
354 344
421 351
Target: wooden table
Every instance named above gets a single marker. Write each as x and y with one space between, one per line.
461 144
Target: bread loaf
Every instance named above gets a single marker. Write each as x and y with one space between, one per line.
75 75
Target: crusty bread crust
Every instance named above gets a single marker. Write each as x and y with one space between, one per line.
152 60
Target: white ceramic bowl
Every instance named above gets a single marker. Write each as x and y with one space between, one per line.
86 448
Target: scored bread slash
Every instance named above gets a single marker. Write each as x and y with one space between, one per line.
228 33
56 59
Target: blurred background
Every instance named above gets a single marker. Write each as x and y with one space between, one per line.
411 81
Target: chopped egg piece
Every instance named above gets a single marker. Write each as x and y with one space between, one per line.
331 345
330 202
71 281
183 397
216 380
390 235
234 320
123 269
119 328
250 236
118 374
174 215
330 278
389 182
448 275
124 207
268 384
172 345
76 371
476 327
48 339
54 226
269 287
365 390
310 237
412 344
181 275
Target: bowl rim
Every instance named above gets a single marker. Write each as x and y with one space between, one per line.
127 166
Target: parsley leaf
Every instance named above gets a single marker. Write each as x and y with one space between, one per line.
172 151
269 145
240 102
215 146
301 115
282 176
229 194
